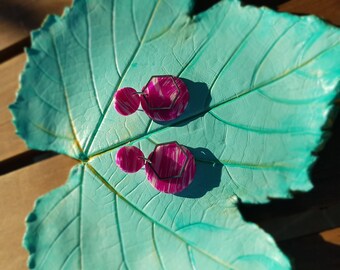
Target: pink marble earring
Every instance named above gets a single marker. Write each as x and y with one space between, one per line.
170 167
163 98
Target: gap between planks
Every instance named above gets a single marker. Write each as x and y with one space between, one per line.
24 159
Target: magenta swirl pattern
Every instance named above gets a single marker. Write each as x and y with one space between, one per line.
171 169
126 101
164 98
130 159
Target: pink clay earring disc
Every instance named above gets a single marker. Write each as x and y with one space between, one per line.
126 101
130 159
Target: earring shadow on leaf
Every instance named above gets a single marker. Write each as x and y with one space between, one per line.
208 174
199 101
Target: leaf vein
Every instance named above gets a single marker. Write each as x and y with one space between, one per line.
47 102
155 245
51 133
134 20
89 56
54 207
191 257
44 72
66 95
80 228
43 260
121 243
237 50
260 63
68 257
298 131
113 31
100 121
307 101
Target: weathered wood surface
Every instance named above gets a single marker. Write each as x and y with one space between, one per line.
328 10
18 18
19 190
10 144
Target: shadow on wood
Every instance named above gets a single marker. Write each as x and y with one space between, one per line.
29 14
25 159
312 253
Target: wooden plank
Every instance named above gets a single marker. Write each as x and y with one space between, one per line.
18 18
313 252
332 236
19 191
10 143
329 10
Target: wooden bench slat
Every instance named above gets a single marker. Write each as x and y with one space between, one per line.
18 18
326 9
19 191
332 236
10 143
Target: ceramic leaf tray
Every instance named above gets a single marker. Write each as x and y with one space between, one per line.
261 88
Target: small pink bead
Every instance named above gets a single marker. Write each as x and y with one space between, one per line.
164 98
172 168
130 159
126 101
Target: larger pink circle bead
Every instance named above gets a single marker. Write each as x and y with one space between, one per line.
170 168
164 98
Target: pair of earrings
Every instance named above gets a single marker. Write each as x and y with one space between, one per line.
170 167
163 98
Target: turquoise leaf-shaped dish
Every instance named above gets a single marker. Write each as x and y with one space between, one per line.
261 87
